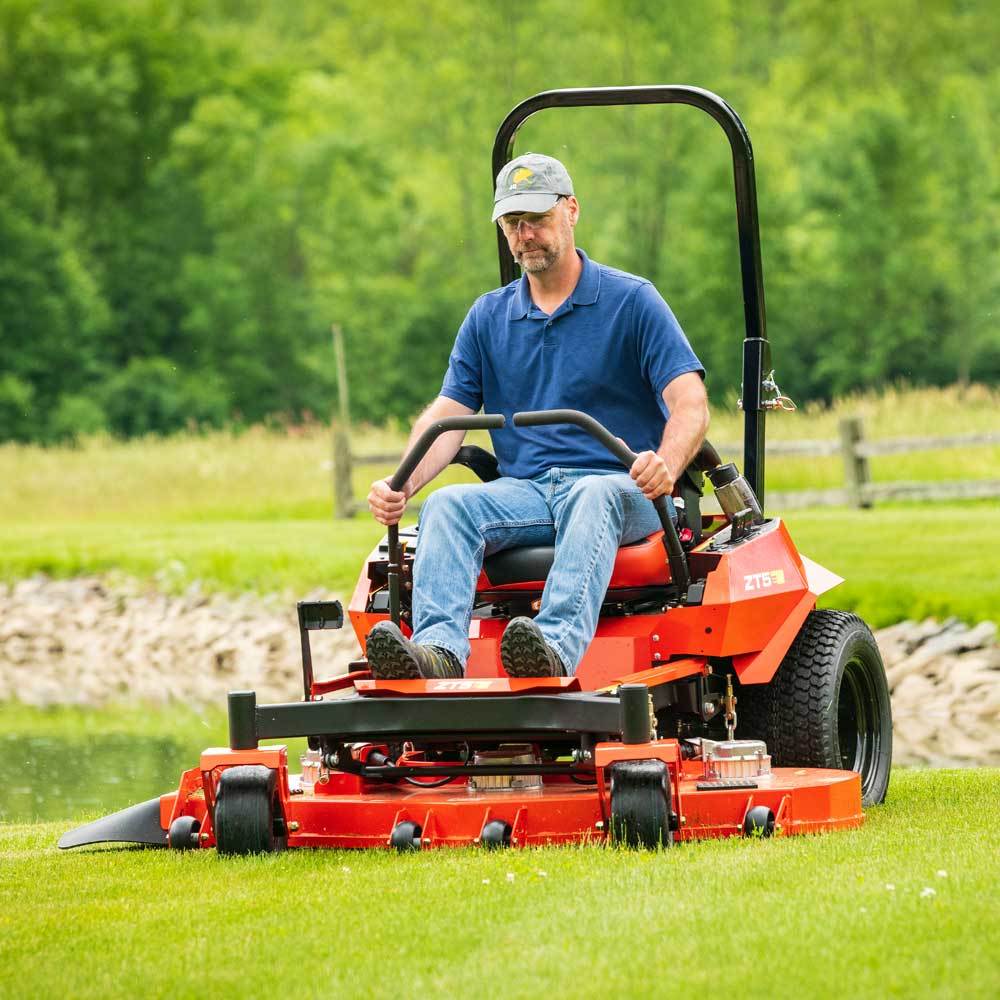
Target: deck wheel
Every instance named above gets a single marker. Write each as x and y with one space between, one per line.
245 811
640 804
495 834
183 833
759 822
405 836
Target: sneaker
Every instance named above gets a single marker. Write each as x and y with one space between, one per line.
525 653
391 656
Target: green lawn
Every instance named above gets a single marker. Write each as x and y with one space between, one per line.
906 906
904 560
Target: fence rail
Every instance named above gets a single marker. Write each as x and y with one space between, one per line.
858 489
871 449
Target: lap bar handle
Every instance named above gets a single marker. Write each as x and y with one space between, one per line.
476 422
679 572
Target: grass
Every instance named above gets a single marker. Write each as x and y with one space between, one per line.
902 560
811 916
907 561
252 511
263 475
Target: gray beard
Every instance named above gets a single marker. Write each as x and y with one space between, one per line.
539 261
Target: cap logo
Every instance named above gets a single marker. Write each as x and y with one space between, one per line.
521 176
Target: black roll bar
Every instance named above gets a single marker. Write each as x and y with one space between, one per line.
756 350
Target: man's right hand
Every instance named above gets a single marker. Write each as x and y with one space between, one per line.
386 504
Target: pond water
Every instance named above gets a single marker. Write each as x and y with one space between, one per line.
49 778
53 778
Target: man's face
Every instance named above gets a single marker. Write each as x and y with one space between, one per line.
539 242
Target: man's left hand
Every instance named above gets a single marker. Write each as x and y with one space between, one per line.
651 475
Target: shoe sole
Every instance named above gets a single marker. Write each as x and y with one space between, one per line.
389 659
523 652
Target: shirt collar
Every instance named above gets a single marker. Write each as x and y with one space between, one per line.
588 287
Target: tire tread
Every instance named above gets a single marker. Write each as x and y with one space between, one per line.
792 713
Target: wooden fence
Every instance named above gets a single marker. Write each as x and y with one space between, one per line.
855 451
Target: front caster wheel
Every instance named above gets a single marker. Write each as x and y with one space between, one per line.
759 822
405 836
640 804
246 812
183 833
495 834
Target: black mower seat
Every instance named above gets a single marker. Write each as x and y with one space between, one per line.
639 564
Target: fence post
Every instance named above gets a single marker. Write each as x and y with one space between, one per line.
856 473
343 490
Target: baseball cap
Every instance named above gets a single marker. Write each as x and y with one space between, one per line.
531 182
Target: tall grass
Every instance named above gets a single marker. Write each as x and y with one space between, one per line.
263 475
253 510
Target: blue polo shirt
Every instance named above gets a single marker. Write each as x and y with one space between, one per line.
608 350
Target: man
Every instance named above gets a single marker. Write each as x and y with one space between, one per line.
570 333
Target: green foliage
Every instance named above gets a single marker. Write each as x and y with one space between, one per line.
17 399
215 184
151 395
51 310
76 416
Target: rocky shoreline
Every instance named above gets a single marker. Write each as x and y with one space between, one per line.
92 641
89 641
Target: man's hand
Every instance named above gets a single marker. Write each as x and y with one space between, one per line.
651 475
385 504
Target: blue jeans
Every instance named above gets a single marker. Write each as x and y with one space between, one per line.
586 513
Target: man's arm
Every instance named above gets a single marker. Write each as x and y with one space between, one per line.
655 472
385 504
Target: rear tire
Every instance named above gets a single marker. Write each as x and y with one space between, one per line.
245 810
828 704
640 804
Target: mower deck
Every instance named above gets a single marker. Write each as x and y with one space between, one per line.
348 812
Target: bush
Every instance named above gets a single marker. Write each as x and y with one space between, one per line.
152 396
17 419
75 416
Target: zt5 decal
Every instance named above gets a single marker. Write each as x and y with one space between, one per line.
761 581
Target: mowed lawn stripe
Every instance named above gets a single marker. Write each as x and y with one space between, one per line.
790 917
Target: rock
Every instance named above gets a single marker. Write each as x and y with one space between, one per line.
945 683
92 641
